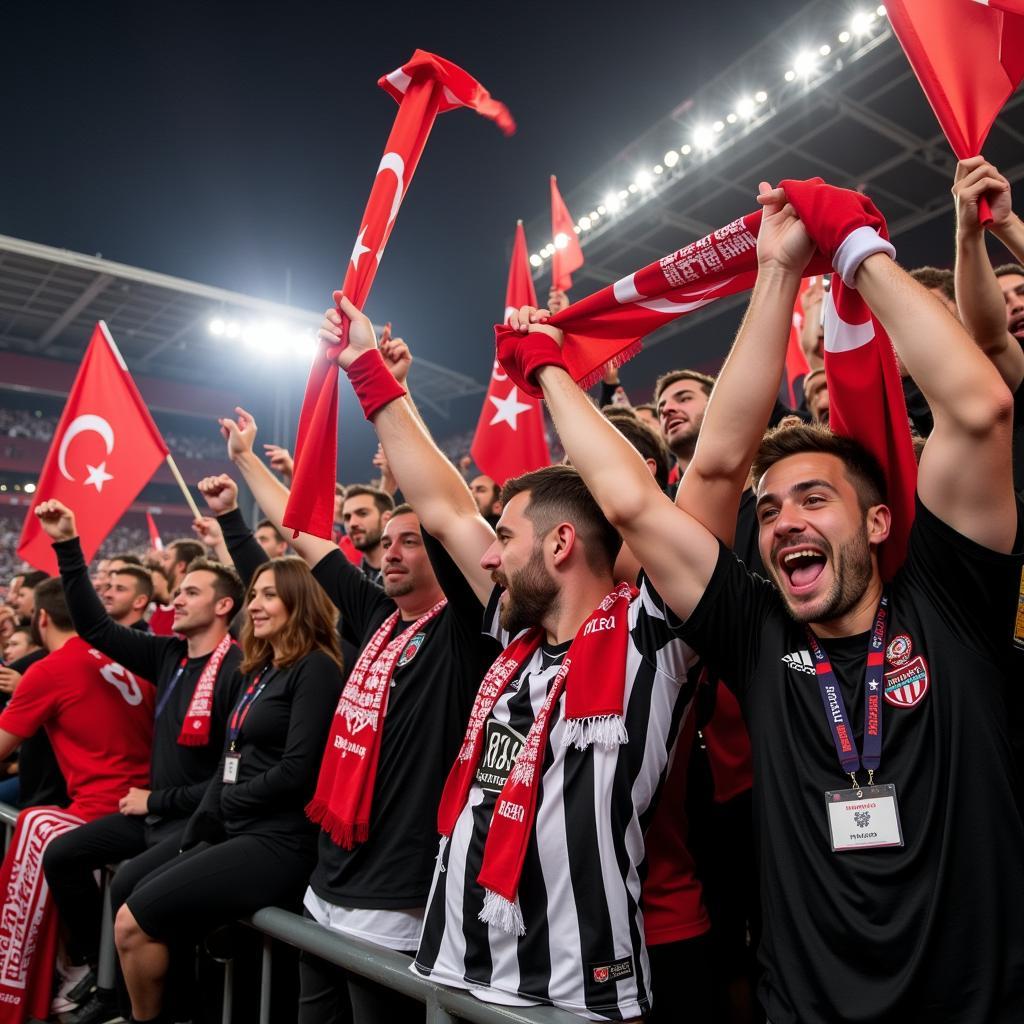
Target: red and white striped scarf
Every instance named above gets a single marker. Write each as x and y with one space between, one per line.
195 729
592 674
343 799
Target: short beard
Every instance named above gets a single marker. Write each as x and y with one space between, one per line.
402 586
851 576
683 446
368 541
529 595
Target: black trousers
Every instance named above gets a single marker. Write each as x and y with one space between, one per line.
70 861
330 995
680 985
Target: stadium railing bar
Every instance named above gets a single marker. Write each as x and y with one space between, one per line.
387 968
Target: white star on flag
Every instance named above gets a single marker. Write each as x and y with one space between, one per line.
358 249
508 408
98 476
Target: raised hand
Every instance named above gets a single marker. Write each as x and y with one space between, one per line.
220 494
208 531
280 460
976 177
783 241
397 357
530 320
361 337
57 520
239 433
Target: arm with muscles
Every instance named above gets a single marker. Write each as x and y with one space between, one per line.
965 476
221 496
208 531
271 495
978 295
429 482
1010 232
745 393
141 653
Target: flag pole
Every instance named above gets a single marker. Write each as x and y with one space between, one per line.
184 487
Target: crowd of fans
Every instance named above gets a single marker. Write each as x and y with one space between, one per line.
702 760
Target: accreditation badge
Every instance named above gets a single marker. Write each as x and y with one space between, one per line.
863 819
231 762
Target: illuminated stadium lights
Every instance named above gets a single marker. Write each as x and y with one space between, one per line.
686 149
760 96
584 223
603 209
642 180
633 188
844 36
732 117
881 11
824 49
561 240
804 63
718 126
702 137
790 75
671 158
217 326
535 260
611 203
232 330
862 22
30 488
623 194
658 169
745 107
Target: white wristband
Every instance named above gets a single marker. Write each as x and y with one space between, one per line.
857 246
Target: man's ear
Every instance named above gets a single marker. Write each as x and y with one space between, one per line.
564 538
879 523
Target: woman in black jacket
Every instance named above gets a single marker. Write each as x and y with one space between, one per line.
249 843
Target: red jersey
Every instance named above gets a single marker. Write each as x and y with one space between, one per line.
728 743
99 720
161 622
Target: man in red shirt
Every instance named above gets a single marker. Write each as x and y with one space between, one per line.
99 719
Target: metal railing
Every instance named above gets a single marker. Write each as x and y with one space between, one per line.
383 966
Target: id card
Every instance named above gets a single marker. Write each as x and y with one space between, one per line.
231 767
863 819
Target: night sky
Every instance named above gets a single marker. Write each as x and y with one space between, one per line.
235 144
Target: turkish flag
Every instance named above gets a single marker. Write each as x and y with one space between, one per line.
104 451
969 59
424 87
154 534
796 362
568 256
509 438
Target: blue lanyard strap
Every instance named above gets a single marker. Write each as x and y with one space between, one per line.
244 706
835 708
170 688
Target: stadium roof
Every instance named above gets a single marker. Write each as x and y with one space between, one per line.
828 93
50 299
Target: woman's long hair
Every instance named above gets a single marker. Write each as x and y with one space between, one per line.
312 619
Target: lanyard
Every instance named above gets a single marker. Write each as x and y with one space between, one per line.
170 688
244 706
835 708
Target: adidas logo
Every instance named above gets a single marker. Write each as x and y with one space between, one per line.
799 660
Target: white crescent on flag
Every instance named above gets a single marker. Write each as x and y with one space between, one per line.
88 423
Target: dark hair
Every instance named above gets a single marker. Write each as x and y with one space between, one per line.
312 619
186 550
936 277
268 524
383 500
226 584
668 379
50 599
862 468
559 495
143 580
31 580
402 510
647 407
649 444
1009 268
128 558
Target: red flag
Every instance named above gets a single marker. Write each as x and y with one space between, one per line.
105 449
424 87
568 256
969 59
608 327
509 439
796 362
154 534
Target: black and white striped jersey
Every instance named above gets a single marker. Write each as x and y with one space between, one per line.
580 886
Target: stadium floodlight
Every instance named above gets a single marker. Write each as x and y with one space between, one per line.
671 158
761 96
804 63
686 149
790 75
584 223
861 23
623 194
658 169
745 107
217 326
732 117
232 329
535 260
561 240
604 208
844 36
30 488
594 215
703 137
881 11
824 49
718 126
642 180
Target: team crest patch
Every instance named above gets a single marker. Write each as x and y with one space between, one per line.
906 686
617 970
900 649
411 649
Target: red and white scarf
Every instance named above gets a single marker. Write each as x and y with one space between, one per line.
608 326
344 791
195 729
28 918
592 674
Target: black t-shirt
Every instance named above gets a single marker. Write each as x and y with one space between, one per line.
435 681
932 931
179 774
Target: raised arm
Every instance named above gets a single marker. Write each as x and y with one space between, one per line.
978 295
271 495
221 496
429 482
965 475
744 395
